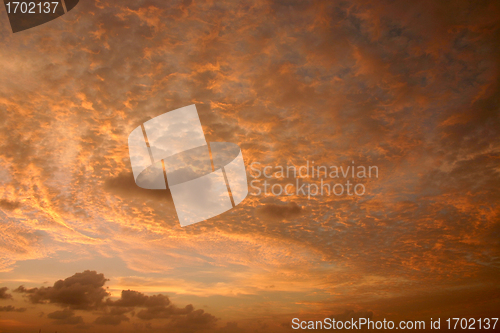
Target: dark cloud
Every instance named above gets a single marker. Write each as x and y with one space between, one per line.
9 205
124 185
163 312
10 308
153 307
81 291
85 292
283 210
65 317
4 294
129 298
113 316
194 320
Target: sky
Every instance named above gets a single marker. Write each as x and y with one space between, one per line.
411 88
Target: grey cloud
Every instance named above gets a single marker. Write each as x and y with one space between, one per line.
10 308
114 317
4 294
85 292
195 320
81 291
9 205
65 317
124 186
281 210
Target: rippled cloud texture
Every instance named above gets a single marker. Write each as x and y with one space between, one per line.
411 87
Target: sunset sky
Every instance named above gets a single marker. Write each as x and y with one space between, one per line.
411 87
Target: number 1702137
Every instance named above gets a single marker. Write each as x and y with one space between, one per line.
31 7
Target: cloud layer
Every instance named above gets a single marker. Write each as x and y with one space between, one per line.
84 294
412 88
